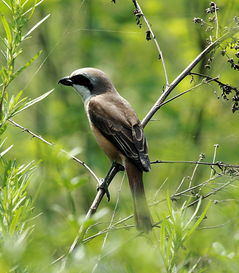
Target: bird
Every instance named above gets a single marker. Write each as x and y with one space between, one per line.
118 132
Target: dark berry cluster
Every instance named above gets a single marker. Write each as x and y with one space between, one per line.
213 8
232 58
138 16
228 90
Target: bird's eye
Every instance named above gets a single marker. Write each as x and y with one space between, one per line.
82 80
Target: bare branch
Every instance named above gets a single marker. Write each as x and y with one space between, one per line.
207 80
217 164
192 188
210 193
150 33
52 144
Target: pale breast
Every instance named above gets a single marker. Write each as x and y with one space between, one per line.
111 151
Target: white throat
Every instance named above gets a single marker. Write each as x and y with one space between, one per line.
83 91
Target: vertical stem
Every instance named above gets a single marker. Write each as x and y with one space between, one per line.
137 6
214 158
216 18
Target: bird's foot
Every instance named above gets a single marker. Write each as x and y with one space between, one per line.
120 167
116 167
104 186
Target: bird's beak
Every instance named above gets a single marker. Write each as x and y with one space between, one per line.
66 81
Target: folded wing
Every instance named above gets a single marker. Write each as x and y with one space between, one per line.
117 121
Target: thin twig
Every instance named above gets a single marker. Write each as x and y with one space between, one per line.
140 13
216 18
215 79
114 227
192 188
102 232
189 90
194 171
218 164
214 158
216 226
210 193
180 184
52 144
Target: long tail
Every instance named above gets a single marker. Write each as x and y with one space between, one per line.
141 210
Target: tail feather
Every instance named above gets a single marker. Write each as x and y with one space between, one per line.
141 210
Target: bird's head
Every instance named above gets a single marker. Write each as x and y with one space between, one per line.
88 82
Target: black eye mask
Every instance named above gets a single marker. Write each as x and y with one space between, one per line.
82 80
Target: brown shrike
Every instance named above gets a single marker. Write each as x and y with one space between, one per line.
117 130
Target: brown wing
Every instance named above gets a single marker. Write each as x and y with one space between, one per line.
117 121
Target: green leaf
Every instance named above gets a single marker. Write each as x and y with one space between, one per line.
5 151
35 26
6 4
34 101
32 8
169 204
198 222
3 128
7 29
195 212
28 63
162 237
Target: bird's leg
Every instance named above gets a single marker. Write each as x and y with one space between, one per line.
115 168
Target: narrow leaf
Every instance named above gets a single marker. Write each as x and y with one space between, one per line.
36 26
5 151
7 29
1 144
32 8
198 222
30 103
195 212
27 63
6 4
25 3
169 204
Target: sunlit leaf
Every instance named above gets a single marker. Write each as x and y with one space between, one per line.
198 222
33 8
36 26
28 63
7 29
34 101
6 4
5 151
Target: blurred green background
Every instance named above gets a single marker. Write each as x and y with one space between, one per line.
105 35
